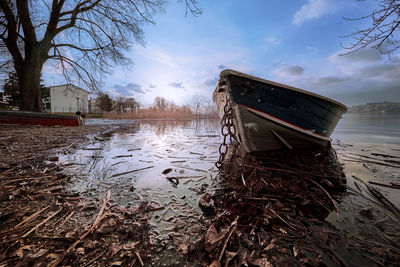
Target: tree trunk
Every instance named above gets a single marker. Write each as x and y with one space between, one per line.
30 84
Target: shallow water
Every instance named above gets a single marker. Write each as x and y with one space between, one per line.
368 128
131 157
131 161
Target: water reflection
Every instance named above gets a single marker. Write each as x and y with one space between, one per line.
170 164
368 128
132 158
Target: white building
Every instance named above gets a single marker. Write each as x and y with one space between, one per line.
94 106
68 98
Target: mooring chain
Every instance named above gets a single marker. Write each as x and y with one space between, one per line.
228 129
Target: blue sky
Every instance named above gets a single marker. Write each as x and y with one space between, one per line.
293 42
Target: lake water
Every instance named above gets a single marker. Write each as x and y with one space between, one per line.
352 128
170 164
368 128
133 156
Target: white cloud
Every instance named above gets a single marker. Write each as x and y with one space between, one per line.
328 80
355 63
162 69
289 71
128 89
312 49
176 84
314 9
356 78
156 54
364 55
274 41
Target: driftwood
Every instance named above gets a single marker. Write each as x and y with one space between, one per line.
283 206
381 198
99 217
385 155
378 195
122 156
128 172
28 219
139 258
326 192
36 212
233 227
41 223
394 186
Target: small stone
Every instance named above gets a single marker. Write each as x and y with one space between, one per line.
367 213
53 159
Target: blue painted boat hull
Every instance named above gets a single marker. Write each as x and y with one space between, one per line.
273 116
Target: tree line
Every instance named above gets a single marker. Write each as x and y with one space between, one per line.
121 104
198 106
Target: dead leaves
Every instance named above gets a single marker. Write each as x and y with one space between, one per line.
278 197
206 203
262 262
213 237
115 236
109 224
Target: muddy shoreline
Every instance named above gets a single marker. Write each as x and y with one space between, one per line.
42 215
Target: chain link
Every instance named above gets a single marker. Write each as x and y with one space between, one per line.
227 129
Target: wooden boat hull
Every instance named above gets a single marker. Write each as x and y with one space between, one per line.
37 118
273 116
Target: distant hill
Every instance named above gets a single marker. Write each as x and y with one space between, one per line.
382 107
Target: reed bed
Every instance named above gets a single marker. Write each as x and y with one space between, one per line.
152 113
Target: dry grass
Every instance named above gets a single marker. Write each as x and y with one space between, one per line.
152 113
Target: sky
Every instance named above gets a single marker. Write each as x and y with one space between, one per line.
293 42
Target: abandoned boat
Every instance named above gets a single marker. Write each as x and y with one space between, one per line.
273 116
37 118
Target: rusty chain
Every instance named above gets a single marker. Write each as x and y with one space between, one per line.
227 129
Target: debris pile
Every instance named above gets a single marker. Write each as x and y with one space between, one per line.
60 234
270 210
266 209
42 223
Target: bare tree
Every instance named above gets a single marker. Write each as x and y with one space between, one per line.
383 31
86 38
210 109
131 103
160 103
104 102
120 104
197 102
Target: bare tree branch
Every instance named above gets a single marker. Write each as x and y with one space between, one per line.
383 32
88 38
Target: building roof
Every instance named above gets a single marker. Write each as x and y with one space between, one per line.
69 84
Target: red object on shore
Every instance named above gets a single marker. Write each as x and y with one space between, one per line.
37 118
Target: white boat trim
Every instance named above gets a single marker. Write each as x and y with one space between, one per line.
285 123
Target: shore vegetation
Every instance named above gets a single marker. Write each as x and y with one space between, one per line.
162 109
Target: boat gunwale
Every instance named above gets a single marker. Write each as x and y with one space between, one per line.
227 72
36 114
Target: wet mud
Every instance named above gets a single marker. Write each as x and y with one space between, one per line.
168 165
299 208
147 193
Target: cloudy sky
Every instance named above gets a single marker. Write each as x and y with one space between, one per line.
293 42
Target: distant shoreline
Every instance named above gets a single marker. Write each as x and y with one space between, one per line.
374 113
376 108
